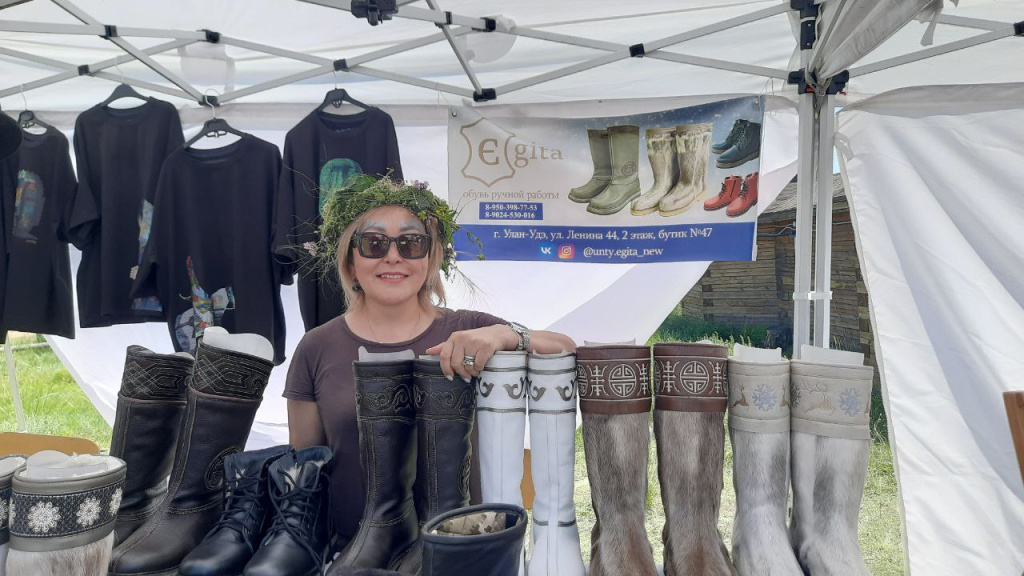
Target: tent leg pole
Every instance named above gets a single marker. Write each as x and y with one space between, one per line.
823 224
804 207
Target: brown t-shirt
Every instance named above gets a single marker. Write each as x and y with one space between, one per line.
321 372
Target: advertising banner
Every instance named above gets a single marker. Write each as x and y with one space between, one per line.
671 186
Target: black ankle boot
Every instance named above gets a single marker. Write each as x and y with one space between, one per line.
231 543
223 395
297 540
387 452
482 540
149 409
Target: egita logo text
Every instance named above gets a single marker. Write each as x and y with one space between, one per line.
496 153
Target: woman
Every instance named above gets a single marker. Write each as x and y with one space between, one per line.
390 243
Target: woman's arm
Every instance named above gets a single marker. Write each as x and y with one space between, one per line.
305 428
482 343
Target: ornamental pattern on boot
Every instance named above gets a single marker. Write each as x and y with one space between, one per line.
59 515
88 512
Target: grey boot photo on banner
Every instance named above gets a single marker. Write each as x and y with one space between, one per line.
501 425
759 431
224 393
482 540
693 148
556 538
150 405
615 402
623 147
691 391
387 453
661 151
602 175
831 440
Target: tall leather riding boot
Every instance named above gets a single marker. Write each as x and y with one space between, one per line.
623 148
224 392
149 409
759 431
445 411
297 540
501 429
830 441
482 540
693 147
556 539
615 401
602 174
229 546
691 391
661 151
387 452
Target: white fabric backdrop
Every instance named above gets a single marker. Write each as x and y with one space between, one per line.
586 301
933 180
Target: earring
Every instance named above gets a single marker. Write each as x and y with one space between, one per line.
356 287
428 286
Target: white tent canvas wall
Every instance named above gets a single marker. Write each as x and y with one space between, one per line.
568 58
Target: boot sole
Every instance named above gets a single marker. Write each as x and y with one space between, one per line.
748 158
715 208
643 212
580 200
677 211
610 211
741 213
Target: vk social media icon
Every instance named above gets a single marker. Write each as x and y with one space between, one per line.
547 250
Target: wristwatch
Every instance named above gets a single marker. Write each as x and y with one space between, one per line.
524 336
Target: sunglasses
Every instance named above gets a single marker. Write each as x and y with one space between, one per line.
376 245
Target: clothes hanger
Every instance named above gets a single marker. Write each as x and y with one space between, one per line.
28 120
214 127
339 96
123 90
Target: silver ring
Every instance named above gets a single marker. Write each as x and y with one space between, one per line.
468 360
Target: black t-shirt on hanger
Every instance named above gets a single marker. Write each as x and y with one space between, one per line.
38 295
207 260
319 153
119 154
8 189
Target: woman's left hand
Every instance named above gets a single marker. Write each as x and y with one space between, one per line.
477 345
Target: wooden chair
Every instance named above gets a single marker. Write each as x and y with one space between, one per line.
28 444
1015 414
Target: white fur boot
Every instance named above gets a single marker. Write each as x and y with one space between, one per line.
830 442
759 431
556 539
501 425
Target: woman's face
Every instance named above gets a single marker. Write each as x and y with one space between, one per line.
391 279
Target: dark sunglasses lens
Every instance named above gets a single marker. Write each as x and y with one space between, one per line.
413 246
373 245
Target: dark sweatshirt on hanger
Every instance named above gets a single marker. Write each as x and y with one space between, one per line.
8 188
319 153
119 154
38 290
207 259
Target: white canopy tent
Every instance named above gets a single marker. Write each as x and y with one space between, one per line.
280 56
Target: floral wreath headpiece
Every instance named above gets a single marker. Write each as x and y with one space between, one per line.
362 193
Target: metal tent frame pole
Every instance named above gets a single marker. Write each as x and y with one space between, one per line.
823 223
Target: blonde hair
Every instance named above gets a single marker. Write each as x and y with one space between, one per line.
431 294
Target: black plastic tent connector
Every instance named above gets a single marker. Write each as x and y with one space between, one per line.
340 65
1018 28
83 70
109 31
207 100
485 95
807 8
838 83
636 50
797 77
490 25
211 36
447 20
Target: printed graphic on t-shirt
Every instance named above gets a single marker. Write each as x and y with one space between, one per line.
149 303
28 205
333 175
206 311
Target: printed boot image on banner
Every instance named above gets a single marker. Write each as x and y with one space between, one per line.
556 538
387 454
830 442
150 405
691 391
602 175
229 546
482 540
742 145
693 146
8 466
746 199
759 431
225 390
729 192
501 424
661 151
623 149
615 402
445 412
62 512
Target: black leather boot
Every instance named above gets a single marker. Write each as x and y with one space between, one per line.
231 543
296 542
223 395
445 413
149 409
482 540
387 452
